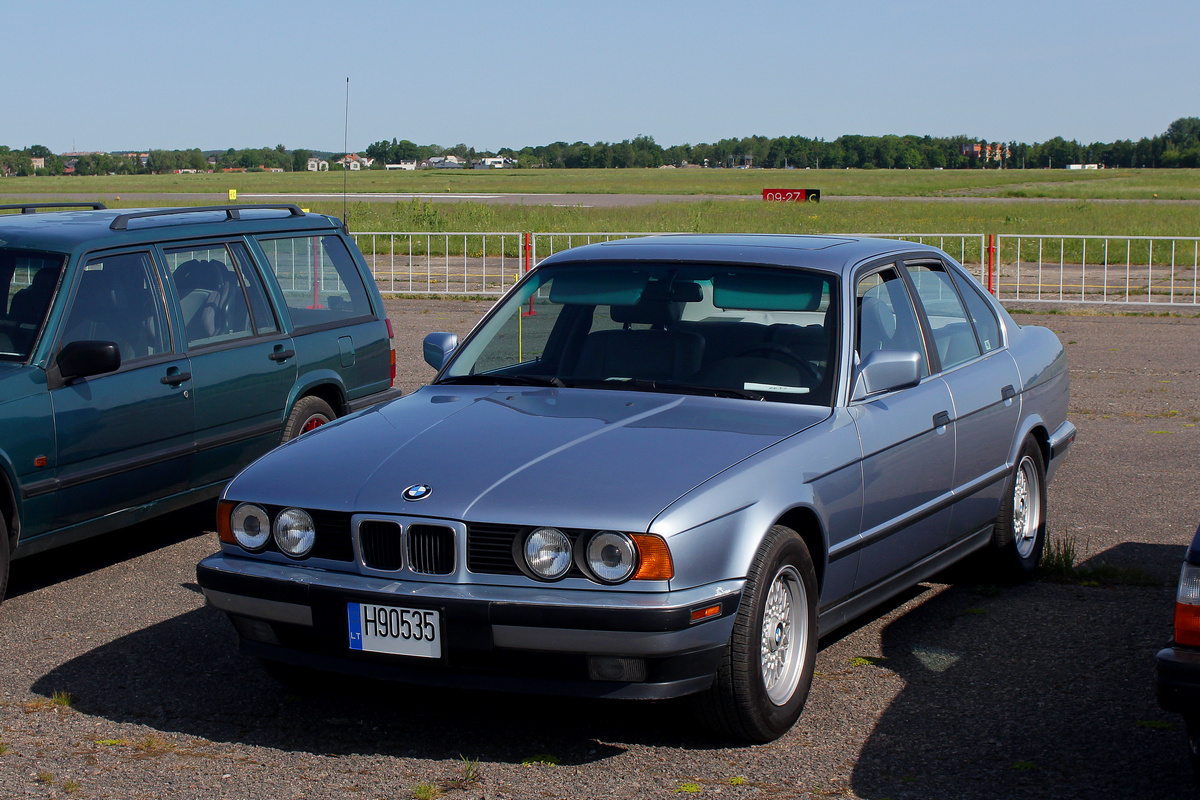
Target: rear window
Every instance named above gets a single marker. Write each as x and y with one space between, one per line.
319 278
29 279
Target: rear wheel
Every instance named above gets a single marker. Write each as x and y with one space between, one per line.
308 414
1020 533
767 667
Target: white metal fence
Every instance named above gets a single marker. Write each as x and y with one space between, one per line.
1058 269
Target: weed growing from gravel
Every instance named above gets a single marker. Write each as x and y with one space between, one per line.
867 661
1060 563
153 745
45 777
3 748
1024 766
737 780
1059 557
71 786
975 611
426 791
111 742
470 769
690 787
544 759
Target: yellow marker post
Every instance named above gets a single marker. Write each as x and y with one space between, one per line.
232 195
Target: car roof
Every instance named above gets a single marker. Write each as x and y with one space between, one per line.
78 230
829 253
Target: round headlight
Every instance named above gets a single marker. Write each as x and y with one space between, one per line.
295 532
251 526
548 553
611 556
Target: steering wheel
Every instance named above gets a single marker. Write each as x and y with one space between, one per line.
777 352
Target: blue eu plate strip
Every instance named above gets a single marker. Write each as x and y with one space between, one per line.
355 619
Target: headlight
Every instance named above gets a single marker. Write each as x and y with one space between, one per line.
295 532
548 553
251 526
611 556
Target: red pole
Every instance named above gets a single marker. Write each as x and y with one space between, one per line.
991 274
529 266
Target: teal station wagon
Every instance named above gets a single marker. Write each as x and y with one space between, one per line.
148 354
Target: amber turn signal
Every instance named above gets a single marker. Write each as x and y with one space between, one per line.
706 612
224 531
654 559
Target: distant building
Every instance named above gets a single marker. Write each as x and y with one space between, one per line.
405 165
353 161
1085 166
317 165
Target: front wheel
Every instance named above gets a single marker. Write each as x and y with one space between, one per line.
767 667
1020 532
308 414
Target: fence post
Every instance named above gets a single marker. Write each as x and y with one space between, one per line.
991 263
529 266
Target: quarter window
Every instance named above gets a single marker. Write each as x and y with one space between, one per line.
319 278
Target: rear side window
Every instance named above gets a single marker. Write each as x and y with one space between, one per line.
981 313
319 278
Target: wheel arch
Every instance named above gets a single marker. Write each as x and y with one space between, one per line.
805 522
328 387
9 506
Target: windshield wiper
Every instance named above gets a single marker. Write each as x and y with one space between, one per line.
503 380
668 387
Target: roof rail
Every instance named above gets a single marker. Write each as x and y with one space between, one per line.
121 223
31 208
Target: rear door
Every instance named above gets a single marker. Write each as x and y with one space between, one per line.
243 365
982 378
123 438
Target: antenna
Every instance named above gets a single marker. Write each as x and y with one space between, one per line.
346 152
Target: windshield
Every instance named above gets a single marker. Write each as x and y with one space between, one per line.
729 331
30 279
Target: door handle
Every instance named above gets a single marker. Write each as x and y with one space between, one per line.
941 419
1008 393
282 355
176 378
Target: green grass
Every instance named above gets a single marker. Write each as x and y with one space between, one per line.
1114 184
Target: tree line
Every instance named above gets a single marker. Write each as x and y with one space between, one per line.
1178 146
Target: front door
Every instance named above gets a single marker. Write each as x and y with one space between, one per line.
125 437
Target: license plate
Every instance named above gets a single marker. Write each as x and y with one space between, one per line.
399 631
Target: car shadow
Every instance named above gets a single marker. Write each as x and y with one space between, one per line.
989 710
70 561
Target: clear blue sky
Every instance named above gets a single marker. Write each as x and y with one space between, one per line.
253 73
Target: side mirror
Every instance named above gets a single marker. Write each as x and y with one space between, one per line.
85 358
887 371
438 348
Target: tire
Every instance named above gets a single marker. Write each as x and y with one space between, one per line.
309 412
759 690
4 557
1020 533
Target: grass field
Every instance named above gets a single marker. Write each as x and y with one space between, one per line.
1080 184
1076 212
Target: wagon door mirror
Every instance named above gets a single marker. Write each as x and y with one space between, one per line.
887 371
439 347
82 359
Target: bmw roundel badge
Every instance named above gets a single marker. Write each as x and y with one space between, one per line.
418 491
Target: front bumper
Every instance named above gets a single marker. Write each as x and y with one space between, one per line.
539 639
1177 679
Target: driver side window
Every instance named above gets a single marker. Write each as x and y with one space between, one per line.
886 318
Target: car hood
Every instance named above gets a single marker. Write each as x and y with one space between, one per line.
568 457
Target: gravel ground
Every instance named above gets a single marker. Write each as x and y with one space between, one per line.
954 691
